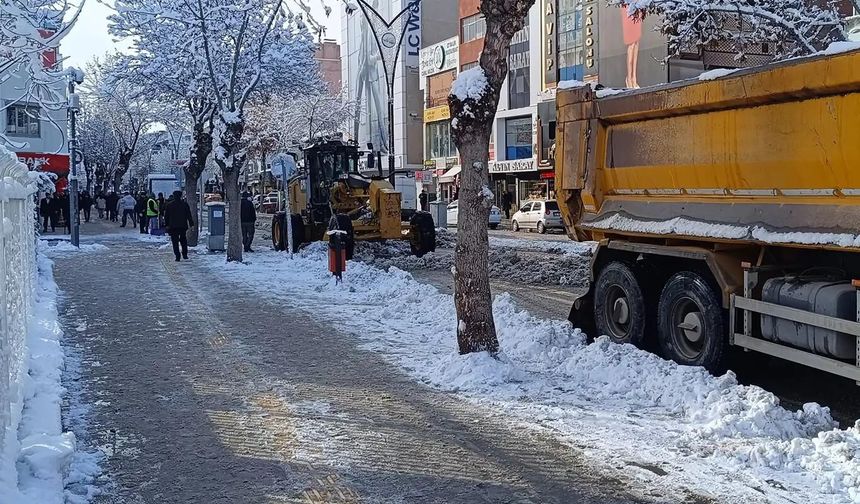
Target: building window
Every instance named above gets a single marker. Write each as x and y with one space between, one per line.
23 120
472 28
439 141
518 138
570 49
518 69
468 66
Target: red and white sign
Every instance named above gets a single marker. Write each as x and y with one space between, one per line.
57 164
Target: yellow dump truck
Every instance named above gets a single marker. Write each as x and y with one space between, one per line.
726 212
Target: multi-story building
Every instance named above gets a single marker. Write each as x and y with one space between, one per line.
36 132
328 57
365 83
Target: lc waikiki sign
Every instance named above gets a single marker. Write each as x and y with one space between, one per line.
412 35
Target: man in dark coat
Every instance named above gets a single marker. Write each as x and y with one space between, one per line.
46 210
112 199
507 203
86 205
249 218
66 211
177 219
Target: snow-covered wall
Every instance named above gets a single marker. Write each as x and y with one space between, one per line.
17 287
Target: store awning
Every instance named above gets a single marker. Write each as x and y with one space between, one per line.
449 175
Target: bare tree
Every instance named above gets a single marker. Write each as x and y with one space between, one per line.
473 101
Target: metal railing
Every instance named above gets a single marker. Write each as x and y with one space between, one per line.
17 289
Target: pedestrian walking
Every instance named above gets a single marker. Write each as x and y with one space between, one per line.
66 211
178 218
151 213
86 205
126 206
140 211
111 204
248 219
423 199
46 211
507 202
101 205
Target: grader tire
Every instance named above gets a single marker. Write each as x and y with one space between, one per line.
423 233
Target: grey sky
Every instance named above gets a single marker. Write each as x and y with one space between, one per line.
90 37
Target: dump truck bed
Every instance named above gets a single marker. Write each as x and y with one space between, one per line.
769 155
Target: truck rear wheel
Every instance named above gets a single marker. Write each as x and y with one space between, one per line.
278 240
423 233
298 232
619 306
690 323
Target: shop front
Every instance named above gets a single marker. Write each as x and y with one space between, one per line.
515 177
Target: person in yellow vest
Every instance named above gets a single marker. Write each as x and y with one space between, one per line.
151 213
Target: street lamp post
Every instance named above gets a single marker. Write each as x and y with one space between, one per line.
388 35
75 77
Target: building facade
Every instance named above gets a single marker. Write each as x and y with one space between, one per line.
328 57
365 82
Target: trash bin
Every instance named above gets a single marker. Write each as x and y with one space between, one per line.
439 211
217 225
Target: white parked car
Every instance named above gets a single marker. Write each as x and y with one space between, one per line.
454 209
539 215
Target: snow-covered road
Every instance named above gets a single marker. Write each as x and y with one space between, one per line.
666 429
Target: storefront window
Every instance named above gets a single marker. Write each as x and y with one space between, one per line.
518 138
570 64
537 189
439 141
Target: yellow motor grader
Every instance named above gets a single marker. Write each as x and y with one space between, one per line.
329 193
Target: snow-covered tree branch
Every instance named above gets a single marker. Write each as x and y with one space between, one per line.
789 27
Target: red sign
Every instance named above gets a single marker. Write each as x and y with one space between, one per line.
547 174
57 164
49 56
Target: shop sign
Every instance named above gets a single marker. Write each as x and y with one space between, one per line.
440 172
514 166
549 43
55 163
412 35
590 36
451 162
430 164
440 113
547 174
440 57
424 176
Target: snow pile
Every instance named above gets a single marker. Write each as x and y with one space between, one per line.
690 227
571 84
716 73
623 403
566 247
62 248
841 47
470 84
45 450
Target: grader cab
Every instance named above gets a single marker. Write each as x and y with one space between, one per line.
330 193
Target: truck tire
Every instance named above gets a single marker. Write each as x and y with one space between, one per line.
619 306
690 322
298 232
423 233
279 242
344 223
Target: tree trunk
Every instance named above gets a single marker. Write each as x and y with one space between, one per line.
194 170
474 117
191 196
231 160
234 212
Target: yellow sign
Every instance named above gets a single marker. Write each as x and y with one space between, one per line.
437 114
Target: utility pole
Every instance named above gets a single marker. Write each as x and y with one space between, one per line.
75 77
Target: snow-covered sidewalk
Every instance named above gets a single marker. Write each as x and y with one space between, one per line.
39 448
634 415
